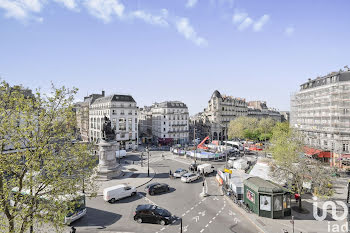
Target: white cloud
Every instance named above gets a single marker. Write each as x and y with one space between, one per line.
260 23
152 19
238 17
191 3
289 31
105 9
184 27
21 9
245 24
70 4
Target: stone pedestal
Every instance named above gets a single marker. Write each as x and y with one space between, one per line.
107 167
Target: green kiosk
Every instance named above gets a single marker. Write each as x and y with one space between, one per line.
266 198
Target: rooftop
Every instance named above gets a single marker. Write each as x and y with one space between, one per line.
115 98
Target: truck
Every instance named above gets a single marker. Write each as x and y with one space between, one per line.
205 168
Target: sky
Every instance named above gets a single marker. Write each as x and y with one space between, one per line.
158 50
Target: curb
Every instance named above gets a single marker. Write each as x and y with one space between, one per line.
244 214
154 174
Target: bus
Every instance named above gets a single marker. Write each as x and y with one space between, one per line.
76 205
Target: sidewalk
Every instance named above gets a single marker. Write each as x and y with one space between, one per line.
304 223
133 175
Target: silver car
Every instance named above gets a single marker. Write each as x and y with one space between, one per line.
179 172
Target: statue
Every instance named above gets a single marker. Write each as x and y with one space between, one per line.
108 133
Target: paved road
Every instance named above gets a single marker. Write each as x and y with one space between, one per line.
209 214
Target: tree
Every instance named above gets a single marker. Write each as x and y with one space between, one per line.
292 167
243 127
265 127
38 154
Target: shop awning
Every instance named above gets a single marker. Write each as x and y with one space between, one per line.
319 153
311 151
324 154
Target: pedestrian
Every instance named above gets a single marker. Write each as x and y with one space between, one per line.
73 229
170 173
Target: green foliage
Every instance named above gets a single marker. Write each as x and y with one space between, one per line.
37 154
251 128
286 143
292 167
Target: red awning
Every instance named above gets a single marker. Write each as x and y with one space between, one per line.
320 154
324 154
345 155
311 151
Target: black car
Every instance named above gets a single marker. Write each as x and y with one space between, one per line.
154 188
152 214
193 167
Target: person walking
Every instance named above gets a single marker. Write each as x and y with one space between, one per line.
73 230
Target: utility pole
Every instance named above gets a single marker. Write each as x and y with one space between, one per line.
195 144
141 158
180 225
147 162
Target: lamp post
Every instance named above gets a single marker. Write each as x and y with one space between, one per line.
147 162
141 158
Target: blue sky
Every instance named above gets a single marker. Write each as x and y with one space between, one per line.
183 50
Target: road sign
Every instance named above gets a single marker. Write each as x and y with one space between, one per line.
228 171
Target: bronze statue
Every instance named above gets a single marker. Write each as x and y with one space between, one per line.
108 133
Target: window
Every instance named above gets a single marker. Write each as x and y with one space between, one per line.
130 124
122 124
164 123
164 136
163 129
345 147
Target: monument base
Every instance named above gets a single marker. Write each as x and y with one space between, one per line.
108 168
104 174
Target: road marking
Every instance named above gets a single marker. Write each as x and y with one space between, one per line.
187 211
192 208
202 213
196 218
185 228
217 214
183 214
162 229
201 230
214 217
207 225
210 221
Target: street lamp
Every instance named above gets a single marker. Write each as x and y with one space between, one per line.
141 158
147 161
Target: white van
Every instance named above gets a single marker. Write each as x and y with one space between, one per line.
114 193
205 168
120 153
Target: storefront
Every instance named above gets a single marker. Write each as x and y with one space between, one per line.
266 198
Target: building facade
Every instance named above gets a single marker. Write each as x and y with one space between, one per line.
222 109
145 124
170 122
321 112
82 114
123 113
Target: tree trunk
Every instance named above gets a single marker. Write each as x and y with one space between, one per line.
300 207
11 225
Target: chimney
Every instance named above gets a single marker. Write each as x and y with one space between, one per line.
103 93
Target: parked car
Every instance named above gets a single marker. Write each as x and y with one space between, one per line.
154 188
189 177
152 214
205 168
193 167
179 172
114 193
